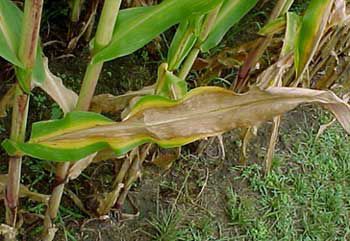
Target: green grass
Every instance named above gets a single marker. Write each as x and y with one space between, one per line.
305 198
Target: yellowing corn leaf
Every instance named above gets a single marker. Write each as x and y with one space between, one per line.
203 112
313 25
273 26
7 101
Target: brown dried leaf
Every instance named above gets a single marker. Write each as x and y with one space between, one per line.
204 112
54 87
165 158
78 167
272 145
107 103
7 101
339 14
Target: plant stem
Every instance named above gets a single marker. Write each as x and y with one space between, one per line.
103 37
18 129
187 66
76 9
27 54
88 86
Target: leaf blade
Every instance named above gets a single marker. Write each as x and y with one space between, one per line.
231 12
203 112
136 27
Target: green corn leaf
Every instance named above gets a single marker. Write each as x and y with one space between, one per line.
293 28
185 38
169 85
11 18
273 26
203 112
136 27
313 25
230 13
38 75
10 31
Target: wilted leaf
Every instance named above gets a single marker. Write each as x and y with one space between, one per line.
109 200
78 167
55 88
246 136
272 76
8 232
324 127
164 158
339 14
136 27
256 53
107 103
7 101
272 144
203 112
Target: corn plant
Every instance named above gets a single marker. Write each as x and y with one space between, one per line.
166 114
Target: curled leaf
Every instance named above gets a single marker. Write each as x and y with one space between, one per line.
107 103
54 87
203 112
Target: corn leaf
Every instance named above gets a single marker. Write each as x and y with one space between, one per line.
273 26
313 25
107 103
169 85
6 101
54 87
203 112
292 30
183 41
136 27
10 31
230 13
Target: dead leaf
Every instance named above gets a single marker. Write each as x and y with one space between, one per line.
7 101
54 87
107 103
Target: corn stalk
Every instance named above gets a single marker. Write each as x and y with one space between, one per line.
103 37
27 55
